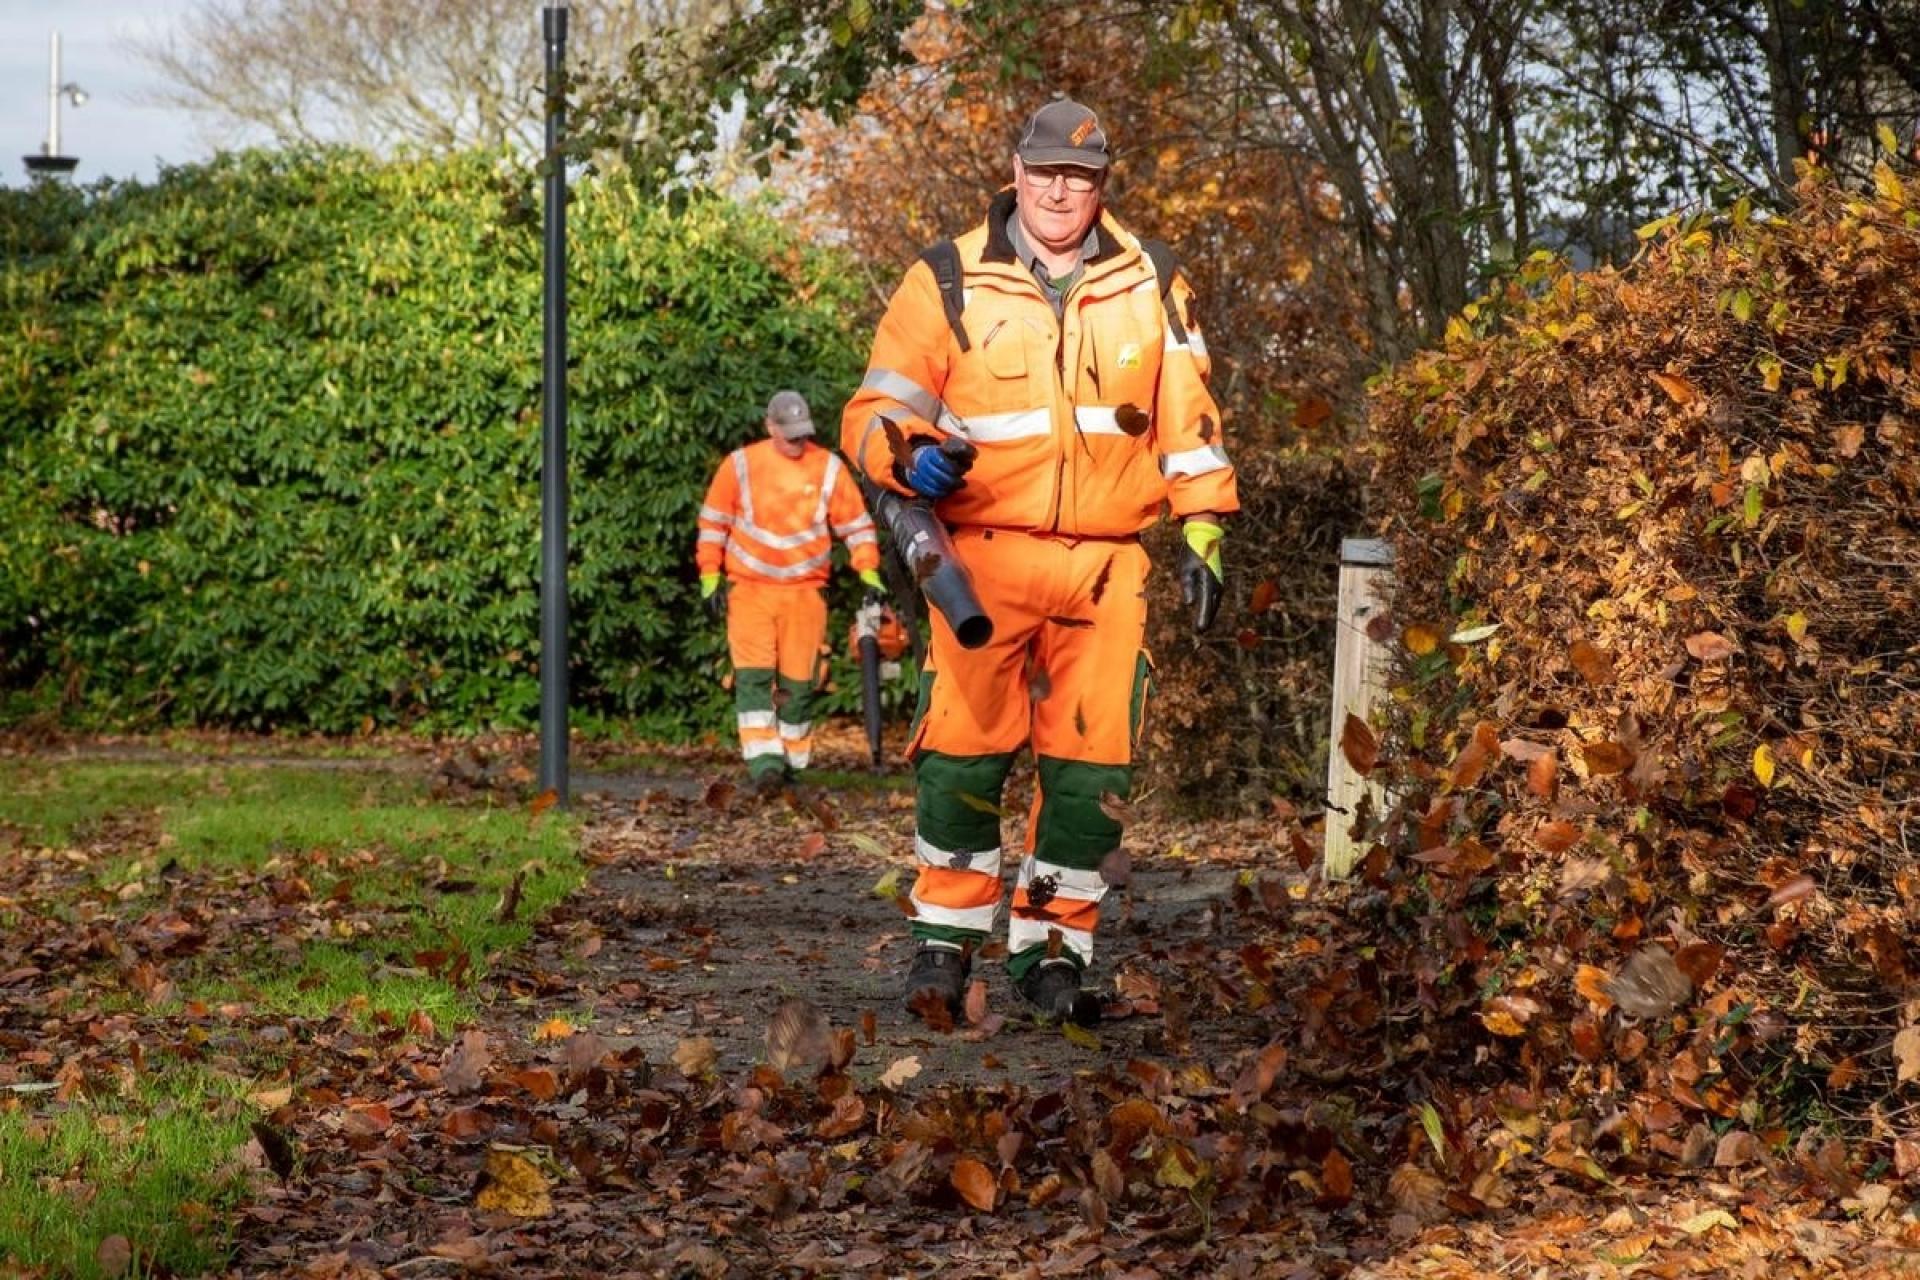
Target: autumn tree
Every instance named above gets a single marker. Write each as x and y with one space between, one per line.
1254 228
440 74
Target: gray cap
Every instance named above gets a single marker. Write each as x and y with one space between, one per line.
1063 132
787 414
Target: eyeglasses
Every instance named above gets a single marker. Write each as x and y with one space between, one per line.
1079 181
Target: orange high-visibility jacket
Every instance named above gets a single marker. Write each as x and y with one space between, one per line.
1087 426
766 517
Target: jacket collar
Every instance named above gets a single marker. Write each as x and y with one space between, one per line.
1106 233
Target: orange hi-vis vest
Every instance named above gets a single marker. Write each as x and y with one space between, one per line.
766 518
1087 424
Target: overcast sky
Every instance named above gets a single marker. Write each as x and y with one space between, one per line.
114 134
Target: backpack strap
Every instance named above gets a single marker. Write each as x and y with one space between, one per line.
944 260
1160 253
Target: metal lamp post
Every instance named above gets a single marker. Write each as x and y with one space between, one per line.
50 163
553 423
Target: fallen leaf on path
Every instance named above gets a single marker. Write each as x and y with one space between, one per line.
1651 985
798 1037
695 1056
466 1062
975 1183
277 1147
512 1183
901 1071
1701 1223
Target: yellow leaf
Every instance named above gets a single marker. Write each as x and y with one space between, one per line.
1420 641
1770 373
1888 143
1079 1035
1179 1167
1763 764
553 1029
1887 185
1502 1024
1701 1223
513 1184
888 885
1797 627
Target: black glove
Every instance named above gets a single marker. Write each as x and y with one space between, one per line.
1200 575
716 601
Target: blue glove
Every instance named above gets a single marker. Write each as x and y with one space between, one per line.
933 474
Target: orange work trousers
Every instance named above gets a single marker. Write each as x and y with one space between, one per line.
774 632
1067 671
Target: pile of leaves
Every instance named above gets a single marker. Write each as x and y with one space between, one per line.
1650 756
1265 664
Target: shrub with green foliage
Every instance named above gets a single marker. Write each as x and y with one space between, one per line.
270 437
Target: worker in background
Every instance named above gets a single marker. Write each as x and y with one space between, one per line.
764 529
1065 351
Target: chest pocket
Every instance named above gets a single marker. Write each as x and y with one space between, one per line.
1005 348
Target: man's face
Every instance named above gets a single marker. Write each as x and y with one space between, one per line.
1054 214
787 448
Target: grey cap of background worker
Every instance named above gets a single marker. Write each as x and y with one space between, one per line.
787 413
1063 132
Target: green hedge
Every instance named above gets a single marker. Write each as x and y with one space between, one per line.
270 435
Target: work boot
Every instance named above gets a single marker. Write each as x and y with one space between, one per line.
1052 987
771 781
938 976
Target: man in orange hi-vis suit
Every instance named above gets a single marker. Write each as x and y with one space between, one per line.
1066 352
765 525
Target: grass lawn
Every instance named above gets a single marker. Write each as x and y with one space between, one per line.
172 935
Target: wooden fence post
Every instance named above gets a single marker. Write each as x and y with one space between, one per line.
1359 676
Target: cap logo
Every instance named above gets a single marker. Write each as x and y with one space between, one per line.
1081 130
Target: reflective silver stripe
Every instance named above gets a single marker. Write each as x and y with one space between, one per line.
766 537
1194 462
985 861
1083 886
746 490
898 386
1023 933
979 919
779 573
995 427
761 747
873 425
827 481
714 514
754 719
855 525
792 731
713 535
1194 343
780 541
861 538
1098 420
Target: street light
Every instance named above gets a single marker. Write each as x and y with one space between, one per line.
50 163
553 422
